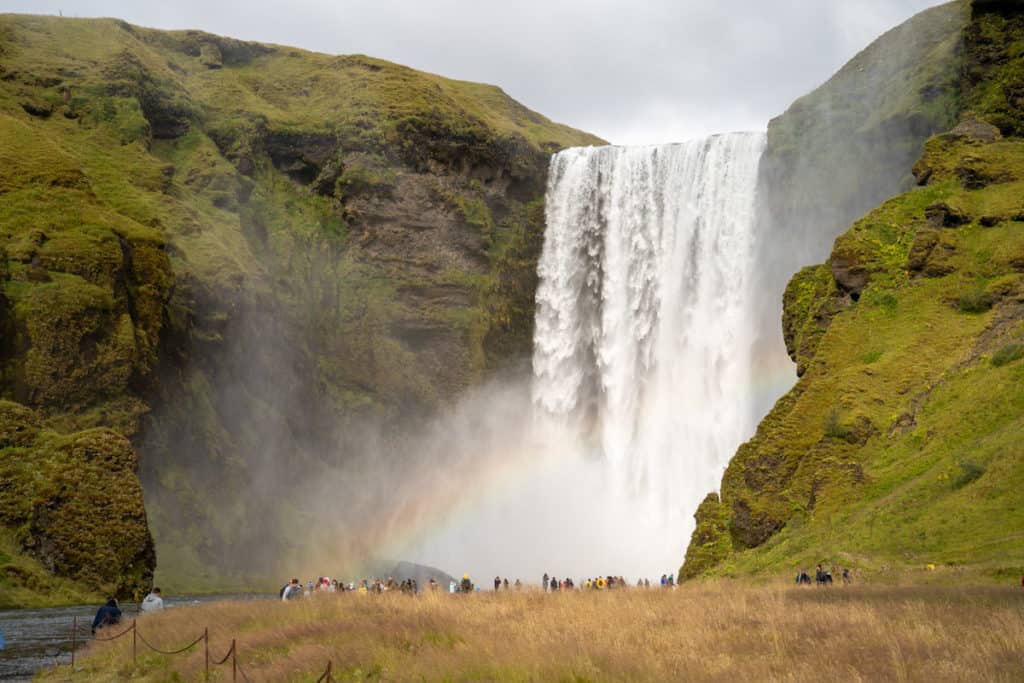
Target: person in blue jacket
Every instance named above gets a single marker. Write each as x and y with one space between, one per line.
107 615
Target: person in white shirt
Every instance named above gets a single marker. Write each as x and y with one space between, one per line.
153 602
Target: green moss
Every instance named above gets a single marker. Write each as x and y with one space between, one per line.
74 505
710 543
897 447
904 454
809 302
25 582
991 73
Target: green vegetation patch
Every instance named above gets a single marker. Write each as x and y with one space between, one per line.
899 446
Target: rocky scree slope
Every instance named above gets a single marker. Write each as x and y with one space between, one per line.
901 444
215 254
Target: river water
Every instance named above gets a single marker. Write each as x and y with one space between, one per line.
38 638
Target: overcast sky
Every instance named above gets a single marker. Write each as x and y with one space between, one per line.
631 71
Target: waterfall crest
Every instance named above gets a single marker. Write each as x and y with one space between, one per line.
645 318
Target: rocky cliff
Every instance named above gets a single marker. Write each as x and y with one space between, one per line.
217 253
900 446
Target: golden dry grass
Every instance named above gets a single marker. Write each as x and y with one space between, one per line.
717 631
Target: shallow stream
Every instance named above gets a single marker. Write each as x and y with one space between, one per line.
38 638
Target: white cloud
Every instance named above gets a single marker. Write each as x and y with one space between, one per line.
649 72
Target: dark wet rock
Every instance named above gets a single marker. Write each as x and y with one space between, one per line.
850 275
750 529
942 215
37 108
301 155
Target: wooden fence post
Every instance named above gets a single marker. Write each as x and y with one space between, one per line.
135 631
74 639
206 653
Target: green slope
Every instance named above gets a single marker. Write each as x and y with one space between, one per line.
902 445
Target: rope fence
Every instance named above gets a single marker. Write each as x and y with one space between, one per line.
232 654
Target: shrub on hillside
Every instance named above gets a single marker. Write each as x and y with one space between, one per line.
1007 354
834 427
974 300
969 471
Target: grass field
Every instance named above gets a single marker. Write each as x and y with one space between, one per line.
705 631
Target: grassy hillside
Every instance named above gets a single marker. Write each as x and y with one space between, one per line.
225 250
901 445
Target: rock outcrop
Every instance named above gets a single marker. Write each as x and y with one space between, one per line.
75 502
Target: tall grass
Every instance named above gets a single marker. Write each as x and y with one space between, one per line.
717 631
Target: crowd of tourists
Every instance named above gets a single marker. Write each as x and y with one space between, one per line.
295 589
823 576
110 613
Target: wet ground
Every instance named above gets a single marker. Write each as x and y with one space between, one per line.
37 638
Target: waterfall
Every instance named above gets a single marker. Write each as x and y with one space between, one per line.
645 315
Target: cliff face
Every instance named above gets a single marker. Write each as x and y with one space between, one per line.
227 252
842 149
900 444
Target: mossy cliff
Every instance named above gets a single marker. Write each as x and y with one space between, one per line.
901 444
74 503
224 251
843 148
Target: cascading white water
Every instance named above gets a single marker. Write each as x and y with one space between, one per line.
644 317
642 378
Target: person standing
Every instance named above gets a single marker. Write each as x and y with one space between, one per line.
292 591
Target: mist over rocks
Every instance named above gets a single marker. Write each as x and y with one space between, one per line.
258 263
